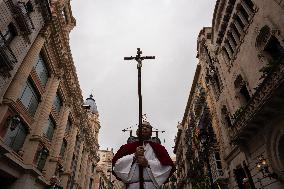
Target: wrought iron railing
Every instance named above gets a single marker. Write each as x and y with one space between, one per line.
44 7
7 57
262 94
21 16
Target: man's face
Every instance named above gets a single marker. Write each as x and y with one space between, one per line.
146 132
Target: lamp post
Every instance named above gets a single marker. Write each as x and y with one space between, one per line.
263 167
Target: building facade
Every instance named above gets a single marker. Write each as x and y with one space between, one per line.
104 178
44 129
241 62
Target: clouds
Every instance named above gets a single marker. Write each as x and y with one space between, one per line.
108 30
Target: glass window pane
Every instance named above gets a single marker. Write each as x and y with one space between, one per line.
63 147
33 105
20 138
57 103
41 71
10 136
29 98
26 96
49 129
15 138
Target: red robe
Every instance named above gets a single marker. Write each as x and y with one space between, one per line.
160 152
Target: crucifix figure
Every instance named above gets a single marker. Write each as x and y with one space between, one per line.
143 163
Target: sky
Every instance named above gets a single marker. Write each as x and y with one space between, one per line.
108 30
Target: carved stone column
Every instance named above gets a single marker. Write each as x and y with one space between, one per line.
24 70
84 168
88 172
69 155
57 142
45 106
79 161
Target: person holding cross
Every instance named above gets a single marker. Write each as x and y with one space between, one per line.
150 155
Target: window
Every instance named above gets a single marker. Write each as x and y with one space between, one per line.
274 50
41 70
244 13
29 7
236 31
9 33
226 117
49 129
30 98
41 156
16 135
239 21
64 14
232 39
63 148
57 103
250 4
242 90
68 126
245 93
93 168
91 183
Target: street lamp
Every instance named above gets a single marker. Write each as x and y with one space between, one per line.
263 167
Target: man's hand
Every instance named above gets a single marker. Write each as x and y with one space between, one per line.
141 160
139 151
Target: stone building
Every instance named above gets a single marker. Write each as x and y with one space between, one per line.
104 178
44 129
197 146
172 182
241 60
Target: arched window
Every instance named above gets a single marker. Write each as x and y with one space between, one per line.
269 45
242 90
41 157
16 134
226 117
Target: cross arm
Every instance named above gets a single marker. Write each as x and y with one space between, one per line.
129 58
148 57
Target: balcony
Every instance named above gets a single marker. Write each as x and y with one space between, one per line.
7 58
21 16
264 106
45 10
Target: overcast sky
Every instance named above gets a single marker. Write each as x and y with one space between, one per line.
108 30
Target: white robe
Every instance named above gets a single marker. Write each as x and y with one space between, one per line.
154 176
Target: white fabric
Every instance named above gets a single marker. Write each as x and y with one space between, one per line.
128 170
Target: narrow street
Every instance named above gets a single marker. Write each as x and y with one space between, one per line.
141 94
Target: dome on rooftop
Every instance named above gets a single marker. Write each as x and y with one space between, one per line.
92 103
